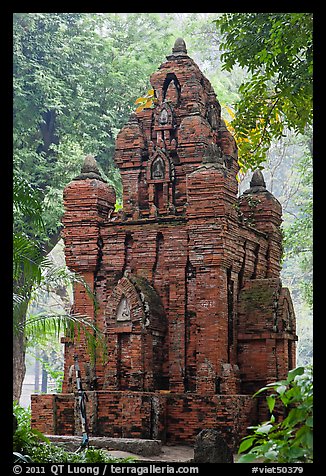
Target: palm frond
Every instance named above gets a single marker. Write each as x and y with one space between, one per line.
27 259
54 276
27 201
69 325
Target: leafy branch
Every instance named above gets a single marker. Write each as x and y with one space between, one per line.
276 50
147 101
289 439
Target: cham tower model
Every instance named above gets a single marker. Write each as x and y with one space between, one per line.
186 277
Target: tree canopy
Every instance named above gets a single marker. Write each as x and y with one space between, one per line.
276 49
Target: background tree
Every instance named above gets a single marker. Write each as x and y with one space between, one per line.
276 49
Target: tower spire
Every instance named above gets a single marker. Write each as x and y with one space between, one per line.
257 183
179 49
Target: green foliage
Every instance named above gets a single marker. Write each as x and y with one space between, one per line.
147 101
289 440
31 446
50 453
27 203
28 258
298 232
276 50
25 437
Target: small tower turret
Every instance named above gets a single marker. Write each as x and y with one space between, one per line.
88 203
262 211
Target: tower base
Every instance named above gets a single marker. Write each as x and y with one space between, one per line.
169 417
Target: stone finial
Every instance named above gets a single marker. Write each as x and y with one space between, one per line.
213 155
257 183
257 179
89 170
90 165
179 48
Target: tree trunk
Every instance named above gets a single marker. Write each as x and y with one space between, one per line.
19 368
19 347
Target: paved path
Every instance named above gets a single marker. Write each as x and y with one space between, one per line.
137 448
172 454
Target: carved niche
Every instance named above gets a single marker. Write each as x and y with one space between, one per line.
163 119
165 116
213 116
158 169
171 89
160 179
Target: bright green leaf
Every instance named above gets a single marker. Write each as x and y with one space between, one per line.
246 444
270 402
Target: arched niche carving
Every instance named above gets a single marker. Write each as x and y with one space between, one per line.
134 300
136 325
160 167
171 89
160 179
165 116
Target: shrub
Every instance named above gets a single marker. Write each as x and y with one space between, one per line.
25 437
291 439
31 446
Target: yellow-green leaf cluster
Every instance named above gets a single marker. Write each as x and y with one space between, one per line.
147 101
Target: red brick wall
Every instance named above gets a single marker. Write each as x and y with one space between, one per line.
172 417
54 413
189 414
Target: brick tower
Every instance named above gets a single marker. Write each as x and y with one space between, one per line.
186 277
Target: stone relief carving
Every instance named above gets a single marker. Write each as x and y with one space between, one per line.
212 117
158 169
123 311
164 117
